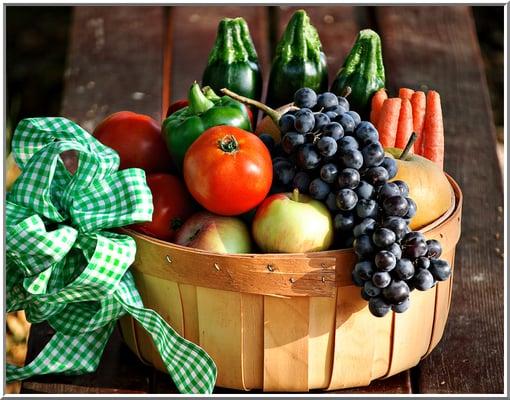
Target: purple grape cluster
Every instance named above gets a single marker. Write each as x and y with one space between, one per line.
328 152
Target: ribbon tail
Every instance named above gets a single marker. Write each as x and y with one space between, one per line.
191 368
76 354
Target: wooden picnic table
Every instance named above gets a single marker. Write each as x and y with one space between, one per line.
141 58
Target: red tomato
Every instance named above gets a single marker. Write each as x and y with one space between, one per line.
228 170
176 106
138 140
172 206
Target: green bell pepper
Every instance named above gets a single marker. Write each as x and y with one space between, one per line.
204 111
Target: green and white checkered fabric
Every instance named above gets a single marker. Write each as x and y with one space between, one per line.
63 266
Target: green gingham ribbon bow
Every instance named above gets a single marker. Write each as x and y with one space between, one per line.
64 267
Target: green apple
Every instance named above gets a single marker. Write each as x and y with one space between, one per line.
428 186
292 223
214 233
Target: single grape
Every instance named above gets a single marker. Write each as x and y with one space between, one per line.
373 155
364 190
307 157
383 237
385 261
286 123
331 115
404 269
396 292
414 247
327 99
371 290
413 235
411 212
423 280
364 269
422 263
396 206
305 98
397 225
301 181
389 189
404 189
334 130
391 166
352 158
327 146
346 199
348 178
378 307
401 307
337 110
291 141
365 227
343 221
376 176
329 172
342 101
396 250
381 279
347 143
366 132
305 121
434 249
357 279
363 246
331 202
367 208
364 295
355 116
318 189
268 141
347 123
283 172
440 269
321 120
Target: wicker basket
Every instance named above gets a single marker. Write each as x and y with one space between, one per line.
287 322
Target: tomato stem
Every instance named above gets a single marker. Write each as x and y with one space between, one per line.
228 144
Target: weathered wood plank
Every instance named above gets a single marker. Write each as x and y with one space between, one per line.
194 32
437 47
115 63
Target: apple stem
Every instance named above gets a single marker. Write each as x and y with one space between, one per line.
295 194
346 91
275 115
409 144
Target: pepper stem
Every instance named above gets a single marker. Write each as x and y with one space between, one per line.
275 115
409 144
228 144
209 93
198 102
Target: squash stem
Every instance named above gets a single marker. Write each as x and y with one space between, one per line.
275 115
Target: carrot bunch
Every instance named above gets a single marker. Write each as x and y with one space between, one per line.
412 111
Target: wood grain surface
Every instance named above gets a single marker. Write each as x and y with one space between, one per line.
437 47
434 47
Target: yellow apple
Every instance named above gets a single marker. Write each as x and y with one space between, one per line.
428 186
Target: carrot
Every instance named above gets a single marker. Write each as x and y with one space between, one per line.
405 125
405 93
387 123
418 101
377 102
433 132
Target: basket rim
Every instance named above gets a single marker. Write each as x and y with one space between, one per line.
432 227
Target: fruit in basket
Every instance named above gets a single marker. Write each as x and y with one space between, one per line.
172 206
233 61
228 170
292 223
298 62
184 126
428 186
362 71
215 233
138 140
